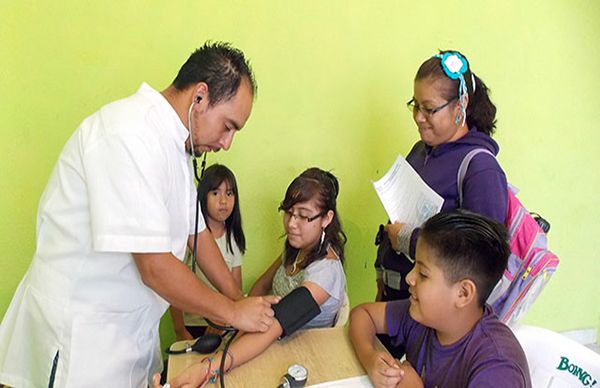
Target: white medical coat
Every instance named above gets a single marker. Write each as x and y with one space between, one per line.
123 183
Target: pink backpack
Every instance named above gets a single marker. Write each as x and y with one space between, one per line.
530 264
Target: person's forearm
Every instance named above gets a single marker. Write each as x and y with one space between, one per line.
219 275
173 281
243 349
236 272
250 345
177 318
259 288
264 283
210 261
362 334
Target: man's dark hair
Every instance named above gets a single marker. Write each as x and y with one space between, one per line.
220 66
468 246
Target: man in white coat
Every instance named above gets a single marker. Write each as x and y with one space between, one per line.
112 228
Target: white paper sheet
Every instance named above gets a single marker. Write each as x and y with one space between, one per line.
405 196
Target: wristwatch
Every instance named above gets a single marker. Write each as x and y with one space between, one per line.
295 377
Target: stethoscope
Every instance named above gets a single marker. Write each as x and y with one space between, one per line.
211 345
198 178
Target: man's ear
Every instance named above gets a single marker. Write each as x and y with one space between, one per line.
466 293
200 91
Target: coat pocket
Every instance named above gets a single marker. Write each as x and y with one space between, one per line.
107 349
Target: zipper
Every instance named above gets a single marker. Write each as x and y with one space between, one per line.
540 264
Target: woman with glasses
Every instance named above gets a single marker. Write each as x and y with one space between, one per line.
454 115
312 258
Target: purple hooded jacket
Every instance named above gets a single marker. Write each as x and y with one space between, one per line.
484 189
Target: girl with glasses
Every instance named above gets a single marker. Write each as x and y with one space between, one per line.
313 253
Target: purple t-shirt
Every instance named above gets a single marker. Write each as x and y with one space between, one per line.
488 356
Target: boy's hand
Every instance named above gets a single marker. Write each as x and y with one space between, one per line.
384 370
410 376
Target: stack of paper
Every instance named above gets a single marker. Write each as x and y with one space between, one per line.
405 196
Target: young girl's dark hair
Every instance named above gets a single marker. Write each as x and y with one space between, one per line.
324 187
481 112
213 176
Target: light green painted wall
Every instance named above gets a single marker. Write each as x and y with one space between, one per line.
333 79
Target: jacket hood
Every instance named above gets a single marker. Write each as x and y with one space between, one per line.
473 139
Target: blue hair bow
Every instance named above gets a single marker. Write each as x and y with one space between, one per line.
455 65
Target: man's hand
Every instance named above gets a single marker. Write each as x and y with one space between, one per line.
393 230
384 371
254 313
411 378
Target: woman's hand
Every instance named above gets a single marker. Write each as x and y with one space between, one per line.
393 230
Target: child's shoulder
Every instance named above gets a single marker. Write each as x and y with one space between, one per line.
493 352
325 264
496 341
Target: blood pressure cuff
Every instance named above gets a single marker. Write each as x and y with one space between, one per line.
295 310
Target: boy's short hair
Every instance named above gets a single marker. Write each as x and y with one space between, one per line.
468 246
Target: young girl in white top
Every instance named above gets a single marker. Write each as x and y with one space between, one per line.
220 204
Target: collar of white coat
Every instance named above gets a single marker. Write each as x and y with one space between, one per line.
166 112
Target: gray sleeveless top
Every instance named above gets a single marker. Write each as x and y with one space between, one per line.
327 274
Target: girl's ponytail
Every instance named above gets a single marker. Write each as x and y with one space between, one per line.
481 112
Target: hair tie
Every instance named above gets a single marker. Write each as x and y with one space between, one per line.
473 82
455 65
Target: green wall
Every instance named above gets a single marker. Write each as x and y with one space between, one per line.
333 78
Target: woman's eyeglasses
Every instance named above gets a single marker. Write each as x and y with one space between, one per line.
416 108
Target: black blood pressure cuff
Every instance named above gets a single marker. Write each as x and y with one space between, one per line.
295 310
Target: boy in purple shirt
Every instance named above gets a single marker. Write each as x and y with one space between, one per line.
452 338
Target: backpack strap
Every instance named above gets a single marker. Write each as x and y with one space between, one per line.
464 166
